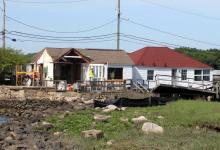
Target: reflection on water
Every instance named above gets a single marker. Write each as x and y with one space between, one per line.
3 119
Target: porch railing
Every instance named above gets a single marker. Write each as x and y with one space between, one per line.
103 86
177 81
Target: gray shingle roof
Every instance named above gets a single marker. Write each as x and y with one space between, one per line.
99 56
107 56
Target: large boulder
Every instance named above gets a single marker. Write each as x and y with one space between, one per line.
101 118
149 127
139 120
96 134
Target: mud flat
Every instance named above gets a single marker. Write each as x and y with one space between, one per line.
20 132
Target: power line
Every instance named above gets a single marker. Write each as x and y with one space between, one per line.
53 31
104 37
172 34
181 11
39 2
52 38
58 37
137 38
46 41
139 43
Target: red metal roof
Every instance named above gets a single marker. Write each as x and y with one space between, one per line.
164 57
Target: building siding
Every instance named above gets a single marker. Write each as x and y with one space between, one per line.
140 73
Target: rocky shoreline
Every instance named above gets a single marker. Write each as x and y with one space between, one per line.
20 132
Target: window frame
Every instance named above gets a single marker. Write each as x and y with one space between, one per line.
150 76
184 74
204 75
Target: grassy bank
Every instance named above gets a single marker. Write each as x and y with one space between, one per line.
187 124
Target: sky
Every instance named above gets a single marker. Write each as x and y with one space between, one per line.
172 23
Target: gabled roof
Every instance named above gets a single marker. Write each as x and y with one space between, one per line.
110 56
97 56
164 57
55 53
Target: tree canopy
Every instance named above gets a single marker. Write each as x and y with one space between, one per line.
210 56
9 58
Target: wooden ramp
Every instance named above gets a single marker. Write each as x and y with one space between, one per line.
165 88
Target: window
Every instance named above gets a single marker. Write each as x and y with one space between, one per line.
200 75
98 71
206 75
115 73
183 74
150 74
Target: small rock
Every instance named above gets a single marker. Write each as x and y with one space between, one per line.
97 108
62 116
101 118
9 140
111 107
96 134
68 99
88 102
47 125
149 127
124 119
13 135
107 110
160 117
110 142
123 108
139 120
57 133
34 124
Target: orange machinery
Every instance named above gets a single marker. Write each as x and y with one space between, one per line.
21 75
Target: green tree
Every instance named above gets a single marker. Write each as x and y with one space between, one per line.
9 58
210 56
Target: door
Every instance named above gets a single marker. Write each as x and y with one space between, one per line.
174 77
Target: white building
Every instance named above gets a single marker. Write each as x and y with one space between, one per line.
161 65
73 65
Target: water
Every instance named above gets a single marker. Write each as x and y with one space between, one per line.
3 119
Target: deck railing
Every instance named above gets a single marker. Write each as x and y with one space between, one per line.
103 86
177 81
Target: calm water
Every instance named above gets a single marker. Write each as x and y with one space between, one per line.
3 119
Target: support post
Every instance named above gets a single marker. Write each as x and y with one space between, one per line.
4 25
217 90
118 24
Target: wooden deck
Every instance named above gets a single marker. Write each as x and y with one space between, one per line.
164 88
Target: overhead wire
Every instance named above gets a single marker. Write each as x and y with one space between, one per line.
106 37
39 2
48 36
53 31
142 39
99 37
46 41
181 11
171 34
65 32
144 43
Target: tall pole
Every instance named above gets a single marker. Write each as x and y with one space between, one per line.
118 24
4 22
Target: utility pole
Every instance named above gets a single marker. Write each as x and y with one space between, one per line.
118 24
3 27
